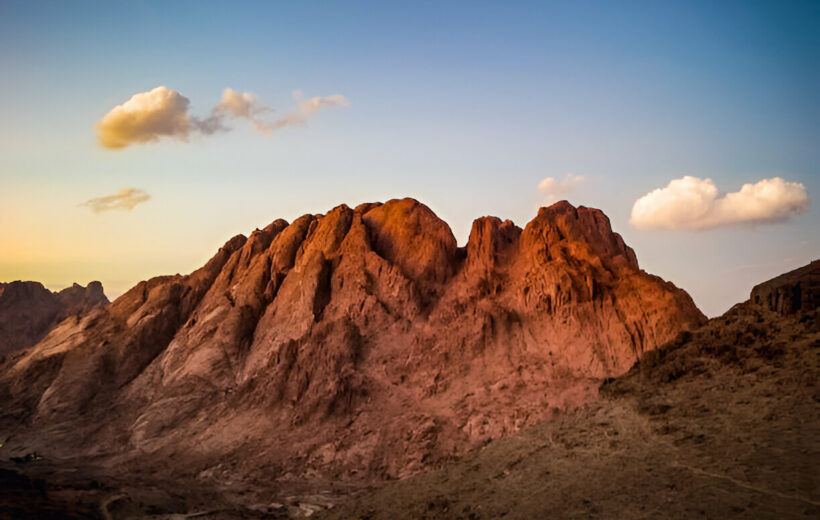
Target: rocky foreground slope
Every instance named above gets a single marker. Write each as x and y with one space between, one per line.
722 422
28 311
340 350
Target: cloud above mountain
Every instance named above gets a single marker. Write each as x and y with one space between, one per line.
246 105
161 112
552 189
305 110
693 203
144 118
242 105
124 199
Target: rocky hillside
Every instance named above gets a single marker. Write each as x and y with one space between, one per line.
28 311
345 348
722 422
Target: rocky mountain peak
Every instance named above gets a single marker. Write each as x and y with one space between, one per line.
583 233
409 235
354 345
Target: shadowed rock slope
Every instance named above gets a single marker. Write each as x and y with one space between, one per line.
28 311
722 422
349 347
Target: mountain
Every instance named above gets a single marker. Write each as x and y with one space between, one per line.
722 422
28 311
340 350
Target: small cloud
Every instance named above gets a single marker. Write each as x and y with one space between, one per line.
162 112
240 104
309 107
124 199
553 190
695 204
145 118
304 111
243 105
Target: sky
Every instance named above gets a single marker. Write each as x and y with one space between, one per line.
473 108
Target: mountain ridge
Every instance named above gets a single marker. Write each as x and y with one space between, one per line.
28 311
354 346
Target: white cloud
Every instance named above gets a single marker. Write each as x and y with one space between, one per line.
244 105
693 203
239 104
310 106
553 190
163 112
144 118
304 111
124 199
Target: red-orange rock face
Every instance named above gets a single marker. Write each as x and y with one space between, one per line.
354 345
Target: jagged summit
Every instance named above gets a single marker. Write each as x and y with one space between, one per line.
356 345
28 310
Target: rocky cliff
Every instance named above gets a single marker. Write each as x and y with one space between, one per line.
28 311
792 292
721 422
357 345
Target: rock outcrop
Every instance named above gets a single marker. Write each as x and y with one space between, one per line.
28 311
792 292
358 345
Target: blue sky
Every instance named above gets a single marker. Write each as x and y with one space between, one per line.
465 106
